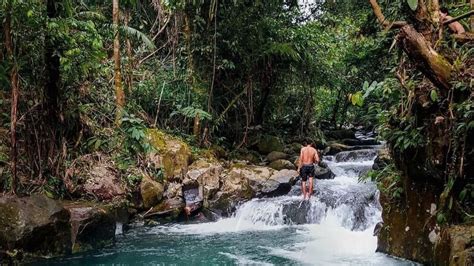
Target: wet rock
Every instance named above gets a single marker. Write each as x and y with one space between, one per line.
276 155
340 134
92 226
167 211
323 173
151 192
243 182
282 164
382 160
357 155
35 226
269 143
278 184
360 142
334 148
172 156
193 199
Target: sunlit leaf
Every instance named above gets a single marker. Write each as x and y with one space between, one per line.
413 4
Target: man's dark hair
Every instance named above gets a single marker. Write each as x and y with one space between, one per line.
444 10
308 142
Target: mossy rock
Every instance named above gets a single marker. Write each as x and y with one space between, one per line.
269 143
92 225
151 192
34 226
276 155
282 164
173 155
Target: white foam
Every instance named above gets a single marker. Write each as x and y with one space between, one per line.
243 260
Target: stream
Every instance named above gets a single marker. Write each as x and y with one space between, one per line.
335 227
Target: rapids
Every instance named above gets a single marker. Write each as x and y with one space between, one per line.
334 227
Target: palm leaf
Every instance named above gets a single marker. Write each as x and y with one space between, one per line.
129 31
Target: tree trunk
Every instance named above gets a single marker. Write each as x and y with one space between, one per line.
436 68
14 97
52 68
119 93
131 64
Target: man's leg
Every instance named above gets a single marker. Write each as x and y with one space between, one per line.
303 188
310 187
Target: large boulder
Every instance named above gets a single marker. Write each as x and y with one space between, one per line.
151 192
205 174
173 190
279 183
334 148
276 155
94 176
360 142
323 173
282 164
103 182
383 159
243 182
454 245
34 226
167 211
172 154
340 134
92 226
269 143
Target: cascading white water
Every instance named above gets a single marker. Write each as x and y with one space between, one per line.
334 227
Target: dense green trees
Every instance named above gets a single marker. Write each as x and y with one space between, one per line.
212 71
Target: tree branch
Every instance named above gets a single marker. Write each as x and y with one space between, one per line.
468 14
381 18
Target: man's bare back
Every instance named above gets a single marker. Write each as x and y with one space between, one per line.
308 157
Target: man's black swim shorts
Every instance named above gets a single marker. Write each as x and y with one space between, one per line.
306 171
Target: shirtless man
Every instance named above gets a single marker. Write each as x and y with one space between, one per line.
455 26
308 157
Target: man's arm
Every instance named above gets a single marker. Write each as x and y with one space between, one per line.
316 156
300 160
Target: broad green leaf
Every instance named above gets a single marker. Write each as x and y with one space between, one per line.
434 95
413 4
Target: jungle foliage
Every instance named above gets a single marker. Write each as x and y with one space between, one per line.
82 76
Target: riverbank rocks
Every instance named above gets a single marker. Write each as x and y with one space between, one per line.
340 134
167 211
103 182
333 148
360 142
243 182
282 164
151 192
92 226
94 176
269 143
172 154
276 155
323 173
383 159
34 226
205 174
455 245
